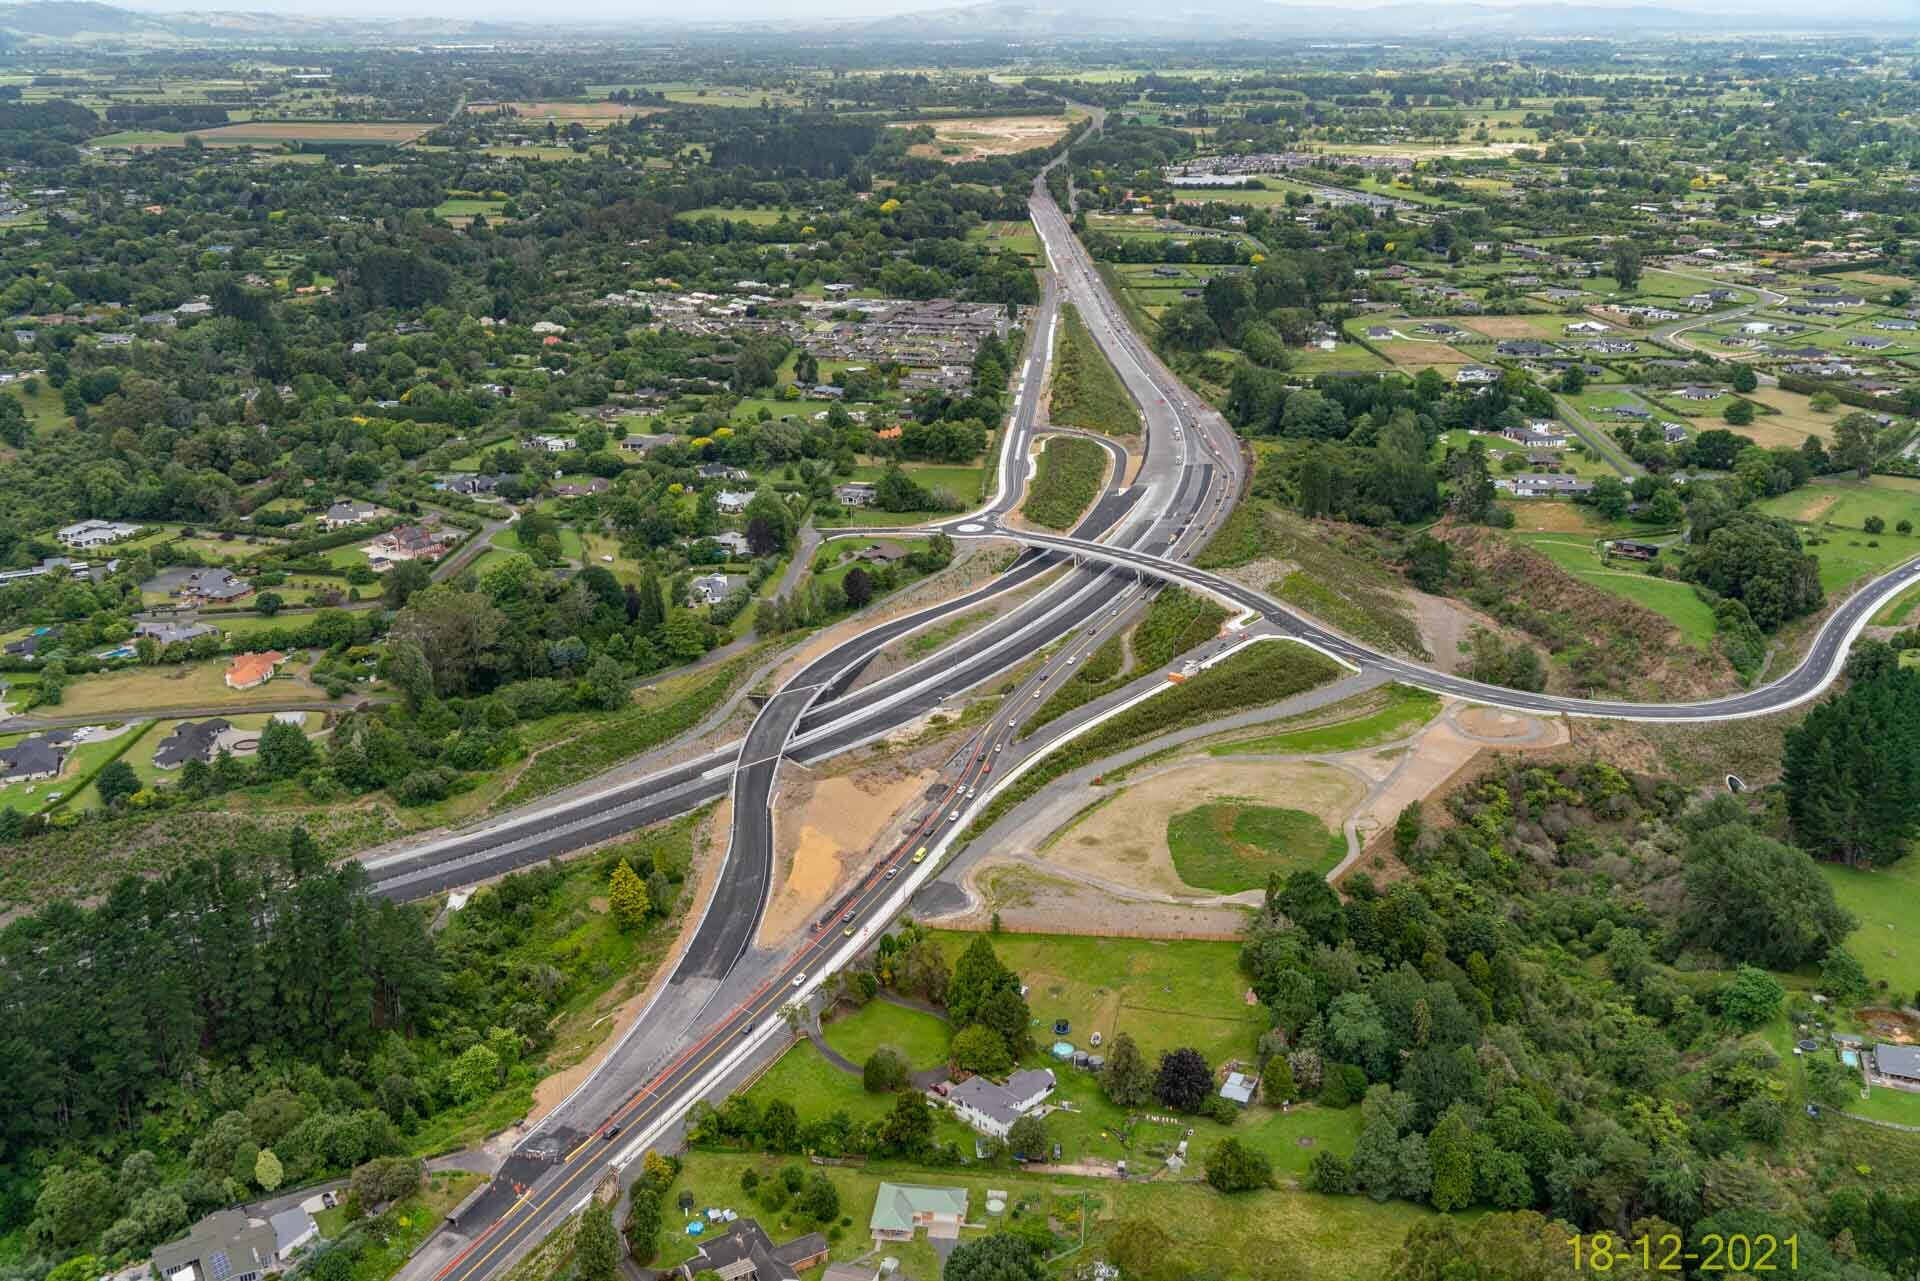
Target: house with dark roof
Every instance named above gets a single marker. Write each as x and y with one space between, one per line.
168 632
190 741
992 1108
35 758
746 1253
1897 1064
348 512
217 585
224 1246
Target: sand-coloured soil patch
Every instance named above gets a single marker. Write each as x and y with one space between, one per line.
975 139
1497 723
1412 354
1124 840
823 830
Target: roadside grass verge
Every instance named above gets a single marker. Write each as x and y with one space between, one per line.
1087 392
1069 476
1406 709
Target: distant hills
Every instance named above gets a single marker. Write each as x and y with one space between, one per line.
1019 20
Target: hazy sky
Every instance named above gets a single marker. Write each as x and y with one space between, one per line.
640 11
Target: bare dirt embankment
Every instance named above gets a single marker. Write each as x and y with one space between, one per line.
825 832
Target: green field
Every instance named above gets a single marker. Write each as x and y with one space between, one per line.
1166 994
1832 511
1887 903
758 217
1407 709
1233 845
1673 600
920 1038
468 208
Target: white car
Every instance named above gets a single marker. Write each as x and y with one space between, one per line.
799 979
954 817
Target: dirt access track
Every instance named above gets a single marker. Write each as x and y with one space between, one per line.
824 829
975 138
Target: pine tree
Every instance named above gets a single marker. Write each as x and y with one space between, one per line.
1126 1078
596 1247
1450 1153
627 896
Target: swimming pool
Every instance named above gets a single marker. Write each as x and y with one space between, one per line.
1850 1057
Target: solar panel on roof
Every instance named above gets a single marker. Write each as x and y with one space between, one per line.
222 1268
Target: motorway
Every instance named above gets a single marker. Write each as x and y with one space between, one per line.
1188 476
726 996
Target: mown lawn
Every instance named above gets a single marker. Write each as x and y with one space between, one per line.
919 1037
1230 846
1166 993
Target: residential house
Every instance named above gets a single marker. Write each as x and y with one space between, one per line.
1898 1064
734 542
28 647
1379 331
1237 1088
218 586
249 670
168 632
1538 485
642 443
1525 347
573 489
32 759
1476 374
348 512
470 485
1673 432
731 502
95 533
992 1109
1903 325
190 741
1870 344
551 444
224 1246
1697 393
857 493
1541 433
1633 549
722 471
709 589
746 1253
1628 411
900 1209
408 542
1587 327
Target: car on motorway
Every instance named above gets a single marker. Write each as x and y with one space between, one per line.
799 979
610 1133
845 917
747 1030
954 817
920 855
848 932
892 872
